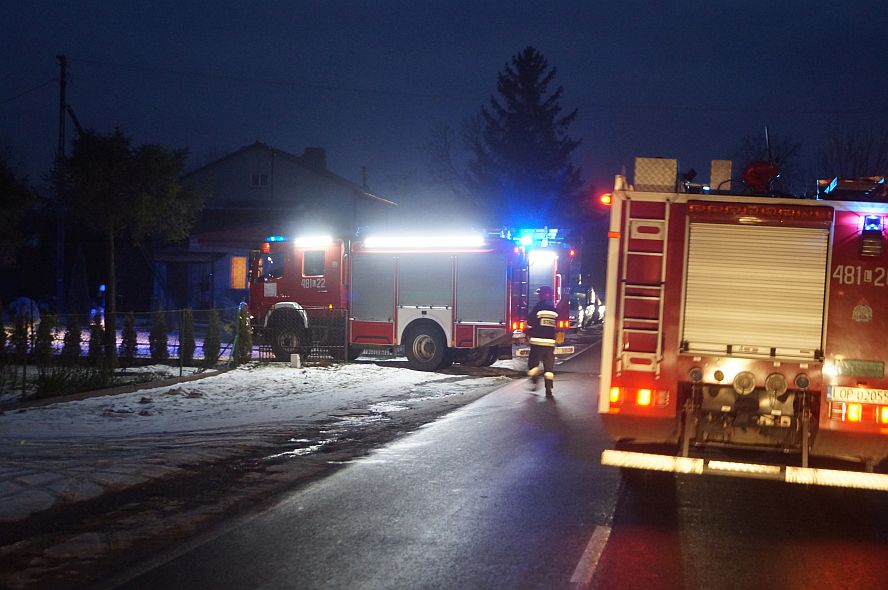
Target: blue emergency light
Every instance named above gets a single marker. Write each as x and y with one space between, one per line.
276 239
872 223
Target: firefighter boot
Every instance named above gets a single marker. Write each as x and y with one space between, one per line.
550 383
534 375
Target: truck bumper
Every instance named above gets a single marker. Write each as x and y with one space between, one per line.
788 474
559 351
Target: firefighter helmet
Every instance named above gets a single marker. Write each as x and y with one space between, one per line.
545 292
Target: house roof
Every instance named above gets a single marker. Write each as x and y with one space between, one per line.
301 161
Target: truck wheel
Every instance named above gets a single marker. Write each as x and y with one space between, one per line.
287 339
475 357
354 352
425 347
492 357
448 360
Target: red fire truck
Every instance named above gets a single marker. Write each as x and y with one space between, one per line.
747 322
444 299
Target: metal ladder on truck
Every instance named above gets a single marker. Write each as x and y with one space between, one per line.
642 280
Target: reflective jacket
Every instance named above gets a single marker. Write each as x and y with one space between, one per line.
541 323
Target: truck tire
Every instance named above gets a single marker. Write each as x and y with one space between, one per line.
288 336
476 357
354 352
492 357
425 348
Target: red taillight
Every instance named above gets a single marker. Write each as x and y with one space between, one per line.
615 395
883 414
853 412
573 252
644 397
521 325
606 199
266 247
514 326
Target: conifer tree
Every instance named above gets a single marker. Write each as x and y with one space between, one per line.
2 340
128 339
71 343
520 147
45 339
158 339
96 340
19 339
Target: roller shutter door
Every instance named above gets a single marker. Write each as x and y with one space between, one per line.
755 290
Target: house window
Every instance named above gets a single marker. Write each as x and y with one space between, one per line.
313 263
258 180
238 272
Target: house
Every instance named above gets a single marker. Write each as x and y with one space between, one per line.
252 193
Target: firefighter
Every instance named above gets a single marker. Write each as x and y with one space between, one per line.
541 323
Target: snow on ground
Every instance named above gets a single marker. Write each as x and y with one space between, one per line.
251 395
80 449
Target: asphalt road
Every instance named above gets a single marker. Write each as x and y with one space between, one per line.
508 492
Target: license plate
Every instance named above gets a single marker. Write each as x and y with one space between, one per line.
863 395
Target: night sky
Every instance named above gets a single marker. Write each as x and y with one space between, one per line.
368 79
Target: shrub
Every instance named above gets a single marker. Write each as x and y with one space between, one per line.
212 342
186 338
128 341
158 340
46 335
55 381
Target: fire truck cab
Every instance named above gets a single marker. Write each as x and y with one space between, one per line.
746 322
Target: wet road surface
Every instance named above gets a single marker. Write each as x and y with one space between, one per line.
508 492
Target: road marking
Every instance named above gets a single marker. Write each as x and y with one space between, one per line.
582 575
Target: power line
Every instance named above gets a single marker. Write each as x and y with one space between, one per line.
475 99
29 91
281 83
744 110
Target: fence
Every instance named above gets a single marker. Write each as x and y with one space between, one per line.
33 348
313 332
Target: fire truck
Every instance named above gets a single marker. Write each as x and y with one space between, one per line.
444 299
746 323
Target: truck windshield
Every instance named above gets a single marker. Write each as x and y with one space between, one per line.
271 265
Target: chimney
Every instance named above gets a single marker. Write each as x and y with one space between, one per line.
316 157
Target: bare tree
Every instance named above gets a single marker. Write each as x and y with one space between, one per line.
854 153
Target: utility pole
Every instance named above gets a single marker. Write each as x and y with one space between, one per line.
60 188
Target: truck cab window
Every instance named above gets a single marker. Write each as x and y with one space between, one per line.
313 263
271 265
